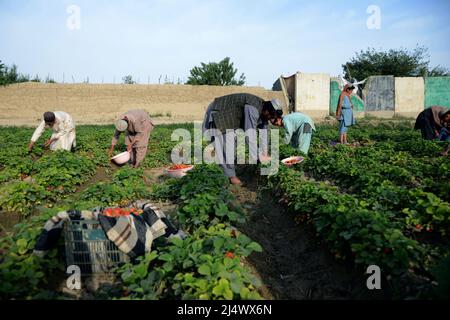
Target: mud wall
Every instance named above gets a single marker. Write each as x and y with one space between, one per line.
23 104
437 91
313 94
409 96
380 94
335 92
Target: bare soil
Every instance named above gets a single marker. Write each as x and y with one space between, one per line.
294 263
7 221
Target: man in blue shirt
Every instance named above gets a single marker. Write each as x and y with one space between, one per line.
298 127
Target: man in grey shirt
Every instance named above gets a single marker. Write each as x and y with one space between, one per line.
237 111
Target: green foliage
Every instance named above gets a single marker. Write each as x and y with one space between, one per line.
2 72
216 74
63 170
204 266
349 225
127 184
169 190
207 264
128 80
22 274
383 200
21 197
49 80
9 75
396 181
396 62
53 176
440 272
204 197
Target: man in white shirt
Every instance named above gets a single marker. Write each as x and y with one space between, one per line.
63 126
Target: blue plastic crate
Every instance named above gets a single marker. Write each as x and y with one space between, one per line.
87 247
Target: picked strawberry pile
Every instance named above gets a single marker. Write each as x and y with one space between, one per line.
179 167
121 212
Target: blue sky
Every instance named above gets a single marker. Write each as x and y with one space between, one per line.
264 38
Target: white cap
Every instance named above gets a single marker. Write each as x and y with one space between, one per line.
121 125
276 104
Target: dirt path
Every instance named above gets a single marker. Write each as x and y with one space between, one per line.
7 221
293 264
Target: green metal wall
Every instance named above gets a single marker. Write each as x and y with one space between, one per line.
334 98
437 91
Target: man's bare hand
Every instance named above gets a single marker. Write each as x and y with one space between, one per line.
110 151
30 146
49 142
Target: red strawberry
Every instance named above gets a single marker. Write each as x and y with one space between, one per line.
229 254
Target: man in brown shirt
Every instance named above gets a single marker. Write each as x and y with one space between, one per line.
137 126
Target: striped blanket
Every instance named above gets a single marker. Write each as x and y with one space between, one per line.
132 234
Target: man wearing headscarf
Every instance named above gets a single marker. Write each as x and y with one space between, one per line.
63 127
237 111
137 126
431 121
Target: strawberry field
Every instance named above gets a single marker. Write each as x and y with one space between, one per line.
382 200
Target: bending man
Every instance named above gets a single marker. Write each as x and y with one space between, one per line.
299 128
237 111
137 126
431 121
63 126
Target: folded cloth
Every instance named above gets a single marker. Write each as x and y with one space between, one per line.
132 234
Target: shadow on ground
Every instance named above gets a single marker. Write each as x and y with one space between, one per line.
293 264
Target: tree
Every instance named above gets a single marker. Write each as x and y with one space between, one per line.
2 73
216 74
12 74
128 80
9 75
49 80
36 79
438 71
396 62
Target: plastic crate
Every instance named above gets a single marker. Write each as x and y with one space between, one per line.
87 247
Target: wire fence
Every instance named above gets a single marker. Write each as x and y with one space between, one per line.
128 79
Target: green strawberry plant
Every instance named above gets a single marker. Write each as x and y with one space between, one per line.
127 184
24 275
206 265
